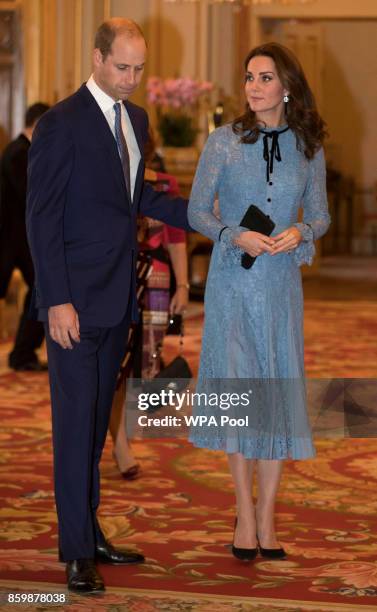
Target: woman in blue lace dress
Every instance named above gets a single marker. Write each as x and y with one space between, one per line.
271 157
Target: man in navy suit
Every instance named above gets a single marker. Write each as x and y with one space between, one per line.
85 190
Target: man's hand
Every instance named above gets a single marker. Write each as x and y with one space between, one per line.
255 243
64 325
287 240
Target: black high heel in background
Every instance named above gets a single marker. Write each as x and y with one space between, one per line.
243 554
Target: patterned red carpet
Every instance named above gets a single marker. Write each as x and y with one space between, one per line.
180 513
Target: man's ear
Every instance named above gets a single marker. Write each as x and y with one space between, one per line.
97 57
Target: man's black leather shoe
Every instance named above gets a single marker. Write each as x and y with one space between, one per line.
31 366
106 553
83 577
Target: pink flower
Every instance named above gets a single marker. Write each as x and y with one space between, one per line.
176 93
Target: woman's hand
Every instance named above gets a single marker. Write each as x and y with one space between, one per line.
255 243
286 241
179 301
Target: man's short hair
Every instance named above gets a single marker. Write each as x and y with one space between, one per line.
34 112
118 26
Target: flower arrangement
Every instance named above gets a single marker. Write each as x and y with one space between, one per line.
176 101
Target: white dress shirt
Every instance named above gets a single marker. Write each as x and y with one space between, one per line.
106 104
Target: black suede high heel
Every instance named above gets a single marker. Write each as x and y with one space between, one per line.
243 554
272 553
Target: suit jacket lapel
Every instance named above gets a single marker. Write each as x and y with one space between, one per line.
105 136
133 118
138 135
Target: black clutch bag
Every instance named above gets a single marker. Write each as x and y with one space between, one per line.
174 327
256 221
175 376
172 377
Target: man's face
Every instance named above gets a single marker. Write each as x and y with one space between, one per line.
120 73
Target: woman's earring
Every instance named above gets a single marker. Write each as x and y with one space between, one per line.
286 98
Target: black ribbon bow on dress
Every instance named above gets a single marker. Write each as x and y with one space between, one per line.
274 152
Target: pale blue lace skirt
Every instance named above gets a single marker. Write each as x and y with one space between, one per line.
253 342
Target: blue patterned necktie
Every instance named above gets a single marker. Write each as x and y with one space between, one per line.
122 147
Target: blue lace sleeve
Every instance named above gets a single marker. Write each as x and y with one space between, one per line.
316 218
206 183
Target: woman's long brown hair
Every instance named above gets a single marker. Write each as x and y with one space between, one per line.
301 110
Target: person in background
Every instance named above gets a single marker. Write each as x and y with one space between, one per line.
14 248
165 245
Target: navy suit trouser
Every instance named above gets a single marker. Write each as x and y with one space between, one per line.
82 383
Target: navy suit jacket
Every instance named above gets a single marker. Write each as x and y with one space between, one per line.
81 225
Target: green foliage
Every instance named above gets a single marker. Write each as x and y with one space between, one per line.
177 130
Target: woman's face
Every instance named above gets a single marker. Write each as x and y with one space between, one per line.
263 88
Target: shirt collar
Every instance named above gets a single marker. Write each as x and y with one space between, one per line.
104 101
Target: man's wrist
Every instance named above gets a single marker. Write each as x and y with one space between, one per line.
60 305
